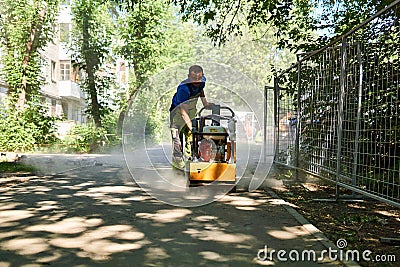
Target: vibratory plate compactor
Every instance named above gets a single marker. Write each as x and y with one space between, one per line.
213 155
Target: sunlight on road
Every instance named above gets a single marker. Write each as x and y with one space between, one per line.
165 216
218 236
95 215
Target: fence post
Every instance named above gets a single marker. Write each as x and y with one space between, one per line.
297 141
340 113
276 124
356 145
265 122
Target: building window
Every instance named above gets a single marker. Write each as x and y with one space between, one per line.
53 71
76 73
43 67
65 71
64 32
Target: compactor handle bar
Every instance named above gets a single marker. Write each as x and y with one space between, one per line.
222 107
212 116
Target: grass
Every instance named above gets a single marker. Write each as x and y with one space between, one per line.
15 167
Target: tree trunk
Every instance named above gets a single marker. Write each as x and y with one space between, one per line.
95 112
91 62
35 31
121 116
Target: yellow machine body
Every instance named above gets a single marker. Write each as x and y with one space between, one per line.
212 171
213 154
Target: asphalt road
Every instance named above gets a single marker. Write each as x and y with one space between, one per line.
87 210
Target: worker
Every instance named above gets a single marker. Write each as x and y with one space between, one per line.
183 110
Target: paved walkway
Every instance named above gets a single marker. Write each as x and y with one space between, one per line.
88 211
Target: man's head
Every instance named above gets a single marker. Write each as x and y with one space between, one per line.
195 75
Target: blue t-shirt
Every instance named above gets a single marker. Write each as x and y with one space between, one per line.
186 91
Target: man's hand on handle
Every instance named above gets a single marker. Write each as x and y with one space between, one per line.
209 105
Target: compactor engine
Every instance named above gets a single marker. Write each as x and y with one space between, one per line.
213 156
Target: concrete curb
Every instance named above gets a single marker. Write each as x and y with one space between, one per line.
311 228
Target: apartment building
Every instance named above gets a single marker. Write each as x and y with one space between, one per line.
61 92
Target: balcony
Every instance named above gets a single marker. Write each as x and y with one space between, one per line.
70 90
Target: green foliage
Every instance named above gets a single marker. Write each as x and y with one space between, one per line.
341 16
143 32
104 83
186 42
85 138
44 124
14 167
179 43
25 28
109 124
13 74
91 45
358 219
255 54
15 134
151 38
22 130
291 20
299 25
89 138
154 124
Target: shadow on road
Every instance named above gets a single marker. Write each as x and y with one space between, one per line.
95 214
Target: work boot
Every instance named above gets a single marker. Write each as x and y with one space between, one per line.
178 163
188 151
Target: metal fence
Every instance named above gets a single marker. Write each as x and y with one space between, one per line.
337 111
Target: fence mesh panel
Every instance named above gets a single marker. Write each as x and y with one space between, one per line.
346 98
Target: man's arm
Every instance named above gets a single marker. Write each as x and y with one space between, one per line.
206 104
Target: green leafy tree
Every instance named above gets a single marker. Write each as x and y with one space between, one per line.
91 44
86 138
151 39
26 27
295 21
23 131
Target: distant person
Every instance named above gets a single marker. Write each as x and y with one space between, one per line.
183 110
